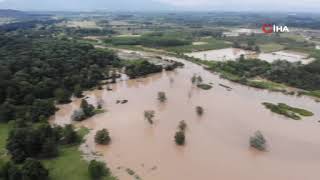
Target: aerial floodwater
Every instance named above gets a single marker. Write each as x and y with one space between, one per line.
232 54
220 54
217 143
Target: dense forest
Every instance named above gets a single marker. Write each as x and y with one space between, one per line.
293 74
141 68
35 74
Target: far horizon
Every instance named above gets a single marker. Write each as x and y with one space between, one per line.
310 6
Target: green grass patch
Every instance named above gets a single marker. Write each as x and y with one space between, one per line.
83 131
300 111
265 84
230 77
211 44
4 132
204 86
295 37
288 111
313 93
69 164
99 111
271 47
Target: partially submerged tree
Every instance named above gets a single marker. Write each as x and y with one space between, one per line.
87 108
102 137
78 115
199 79
180 138
196 79
182 125
180 135
258 141
149 115
162 96
199 110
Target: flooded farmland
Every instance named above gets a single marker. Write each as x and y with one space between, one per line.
217 144
220 54
285 55
231 54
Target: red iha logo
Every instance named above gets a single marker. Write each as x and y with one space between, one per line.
267 28
270 28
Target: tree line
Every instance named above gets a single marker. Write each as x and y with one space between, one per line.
35 74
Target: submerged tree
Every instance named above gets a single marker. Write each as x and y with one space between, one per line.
196 79
87 108
102 137
162 96
258 141
199 80
199 110
180 135
149 115
180 138
78 115
182 125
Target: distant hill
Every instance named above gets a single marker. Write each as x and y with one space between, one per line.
12 13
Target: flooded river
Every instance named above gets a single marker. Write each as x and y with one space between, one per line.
217 144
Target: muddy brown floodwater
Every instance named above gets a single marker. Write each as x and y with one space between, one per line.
217 144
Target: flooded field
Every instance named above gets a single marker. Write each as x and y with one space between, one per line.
285 55
231 54
242 31
220 54
217 144
199 43
80 24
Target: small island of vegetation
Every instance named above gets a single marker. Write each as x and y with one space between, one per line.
102 137
138 68
288 111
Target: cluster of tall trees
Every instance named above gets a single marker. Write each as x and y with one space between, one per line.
31 169
27 143
38 140
140 68
36 72
86 110
293 74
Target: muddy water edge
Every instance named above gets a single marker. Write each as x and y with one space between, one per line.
217 143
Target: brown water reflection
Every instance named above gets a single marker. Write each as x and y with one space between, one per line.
217 143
